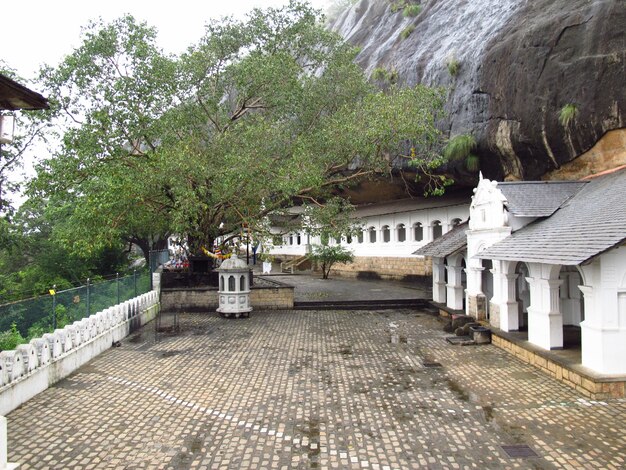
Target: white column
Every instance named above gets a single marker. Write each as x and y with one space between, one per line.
509 307
603 332
545 321
454 288
4 465
504 308
439 282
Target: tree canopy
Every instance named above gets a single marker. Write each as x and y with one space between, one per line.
258 115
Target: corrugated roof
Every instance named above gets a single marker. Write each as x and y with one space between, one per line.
447 244
590 223
537 198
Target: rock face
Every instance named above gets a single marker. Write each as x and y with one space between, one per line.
519 64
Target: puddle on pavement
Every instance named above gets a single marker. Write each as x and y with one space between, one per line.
135 339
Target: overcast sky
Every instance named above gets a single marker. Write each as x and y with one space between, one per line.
35 32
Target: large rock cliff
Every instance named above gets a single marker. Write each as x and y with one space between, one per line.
519 64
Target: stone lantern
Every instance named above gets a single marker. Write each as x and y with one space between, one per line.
234 289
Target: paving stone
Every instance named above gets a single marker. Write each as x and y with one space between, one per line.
326 389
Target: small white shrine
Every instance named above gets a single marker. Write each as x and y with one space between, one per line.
234 289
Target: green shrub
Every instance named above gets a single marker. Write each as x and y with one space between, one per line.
327 256
459 147
567 114
10 339
411 11
453 66
472 162
406 32
380 74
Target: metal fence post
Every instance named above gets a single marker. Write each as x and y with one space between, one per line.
117 278
88 299
54 307
135 280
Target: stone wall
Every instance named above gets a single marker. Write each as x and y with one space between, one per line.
592 387
277 297
191 299
476 307
33 367
395 268
494 315
272 298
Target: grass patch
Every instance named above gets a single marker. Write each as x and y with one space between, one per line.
459 147
453 66
567 114
406 32
411 11
472 163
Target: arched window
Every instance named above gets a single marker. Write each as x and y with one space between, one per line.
372 232
437 229
386 234
222 283
298 239
455 222
242 283
349 239
401 232
418 232
359 237
291 239
231 284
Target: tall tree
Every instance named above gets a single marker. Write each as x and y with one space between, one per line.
259 115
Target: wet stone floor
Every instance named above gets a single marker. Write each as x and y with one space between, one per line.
328 389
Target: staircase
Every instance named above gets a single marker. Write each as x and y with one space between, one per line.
302 263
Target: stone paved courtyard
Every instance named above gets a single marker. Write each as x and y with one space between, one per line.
327 389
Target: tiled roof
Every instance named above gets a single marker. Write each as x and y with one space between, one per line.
590 223
447 244
537 198
15 96
408 205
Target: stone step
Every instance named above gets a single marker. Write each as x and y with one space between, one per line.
361 304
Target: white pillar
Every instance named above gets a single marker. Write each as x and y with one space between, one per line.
4 465
509 307
545 321
454 288
439 281
603 332
504 306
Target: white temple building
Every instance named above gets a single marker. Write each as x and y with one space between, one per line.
392 231
543 256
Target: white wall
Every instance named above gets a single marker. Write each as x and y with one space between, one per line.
393 248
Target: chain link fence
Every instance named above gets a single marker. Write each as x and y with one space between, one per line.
34 317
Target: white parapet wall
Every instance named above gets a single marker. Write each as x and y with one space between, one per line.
33 367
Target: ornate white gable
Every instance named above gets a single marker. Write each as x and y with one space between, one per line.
487 208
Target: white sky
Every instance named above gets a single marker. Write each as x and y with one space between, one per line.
35 32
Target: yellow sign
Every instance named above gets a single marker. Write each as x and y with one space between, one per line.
52 292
